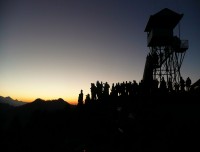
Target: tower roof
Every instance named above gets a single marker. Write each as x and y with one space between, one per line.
165 18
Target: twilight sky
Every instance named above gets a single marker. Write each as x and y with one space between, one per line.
54 48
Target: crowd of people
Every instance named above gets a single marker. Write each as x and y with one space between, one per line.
100 90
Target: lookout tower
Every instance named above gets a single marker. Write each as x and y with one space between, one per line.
167 51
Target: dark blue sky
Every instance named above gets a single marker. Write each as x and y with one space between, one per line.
54 48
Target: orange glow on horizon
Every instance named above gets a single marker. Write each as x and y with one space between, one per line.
72 101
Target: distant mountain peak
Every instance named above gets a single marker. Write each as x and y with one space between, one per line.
61 100
8 97
40 104
39 100
10 101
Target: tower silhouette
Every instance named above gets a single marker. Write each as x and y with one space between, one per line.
166 50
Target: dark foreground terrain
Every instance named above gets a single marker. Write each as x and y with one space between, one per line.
123 124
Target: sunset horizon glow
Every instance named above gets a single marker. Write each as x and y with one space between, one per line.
52 49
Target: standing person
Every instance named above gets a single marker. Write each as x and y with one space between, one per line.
87 99
99 87
93 91
182 83
176 87
188 83
106 89
80 98
170 88
163 86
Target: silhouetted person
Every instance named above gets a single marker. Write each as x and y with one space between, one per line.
128 88
176 86
99 89
163 86
93 92
188 83
87 99
182 83
117 87
155 85
141 86
170 87
123 89
106 89
113 90
80 98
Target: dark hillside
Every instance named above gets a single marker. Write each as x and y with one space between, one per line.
140 123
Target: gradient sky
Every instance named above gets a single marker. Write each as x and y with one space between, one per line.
52 49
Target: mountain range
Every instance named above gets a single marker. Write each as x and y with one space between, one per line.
10 101
23 111
49 105
35 105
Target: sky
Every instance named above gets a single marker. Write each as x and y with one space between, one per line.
52 49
